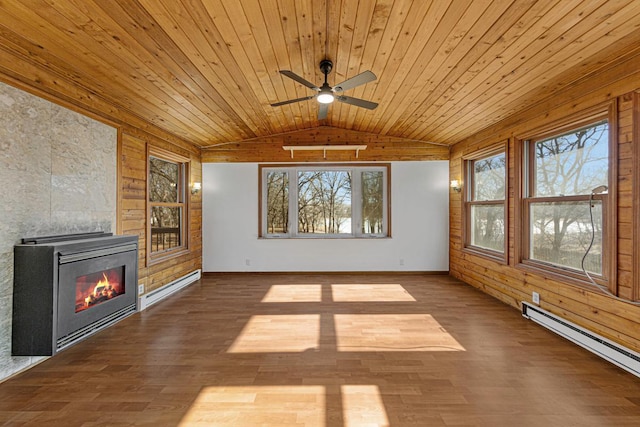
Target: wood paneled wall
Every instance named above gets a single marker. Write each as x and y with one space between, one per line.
379 148
614 319
133 217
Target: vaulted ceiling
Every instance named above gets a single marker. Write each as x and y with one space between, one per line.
207 70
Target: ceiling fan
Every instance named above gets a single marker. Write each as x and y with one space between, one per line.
327 94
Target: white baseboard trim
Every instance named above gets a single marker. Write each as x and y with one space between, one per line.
157 295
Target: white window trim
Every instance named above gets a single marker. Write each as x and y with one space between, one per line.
356 201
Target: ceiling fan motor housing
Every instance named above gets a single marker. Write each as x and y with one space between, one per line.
326 66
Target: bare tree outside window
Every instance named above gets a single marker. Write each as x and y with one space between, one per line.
573 163
164 177
488 227
566 169
372 202
561 233
277 202
489 178
324 202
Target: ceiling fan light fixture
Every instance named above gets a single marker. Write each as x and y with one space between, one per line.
325 97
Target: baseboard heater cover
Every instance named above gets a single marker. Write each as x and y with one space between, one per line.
615 353
170 288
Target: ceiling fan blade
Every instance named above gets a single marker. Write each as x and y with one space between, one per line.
291 101
360 79
322 111
357 102
299 79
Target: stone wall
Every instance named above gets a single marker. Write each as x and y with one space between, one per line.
57 175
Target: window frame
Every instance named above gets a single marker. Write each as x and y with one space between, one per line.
184 169
356 200
469 202
526 170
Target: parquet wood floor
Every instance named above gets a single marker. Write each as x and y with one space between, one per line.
324 350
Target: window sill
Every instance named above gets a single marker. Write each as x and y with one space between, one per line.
498 257
159 257
564 276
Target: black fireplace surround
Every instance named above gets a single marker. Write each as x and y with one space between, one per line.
69 287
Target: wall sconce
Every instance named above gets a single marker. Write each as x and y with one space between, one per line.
196 187
456 185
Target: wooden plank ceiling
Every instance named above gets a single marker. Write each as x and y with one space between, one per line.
207 70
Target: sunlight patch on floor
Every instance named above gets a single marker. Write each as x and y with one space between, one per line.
370 293
362 406
294 293
278 334
267 406
392 332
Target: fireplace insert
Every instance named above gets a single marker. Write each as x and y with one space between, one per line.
69 287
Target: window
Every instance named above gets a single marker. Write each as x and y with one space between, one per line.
566 201
485 202
328 201
167 203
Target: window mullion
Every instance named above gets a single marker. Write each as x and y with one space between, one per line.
293 202
356 202
264 202
385 201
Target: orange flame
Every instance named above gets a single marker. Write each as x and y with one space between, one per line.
101 285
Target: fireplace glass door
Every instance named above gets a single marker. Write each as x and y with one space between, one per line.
93 289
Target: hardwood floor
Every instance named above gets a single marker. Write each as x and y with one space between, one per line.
324 350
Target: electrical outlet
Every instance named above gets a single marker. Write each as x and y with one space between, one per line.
401 261
535 297
141 289
247 262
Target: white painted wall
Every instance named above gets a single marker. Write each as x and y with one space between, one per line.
419 218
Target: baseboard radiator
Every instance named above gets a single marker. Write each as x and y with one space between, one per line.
615 353
170 288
